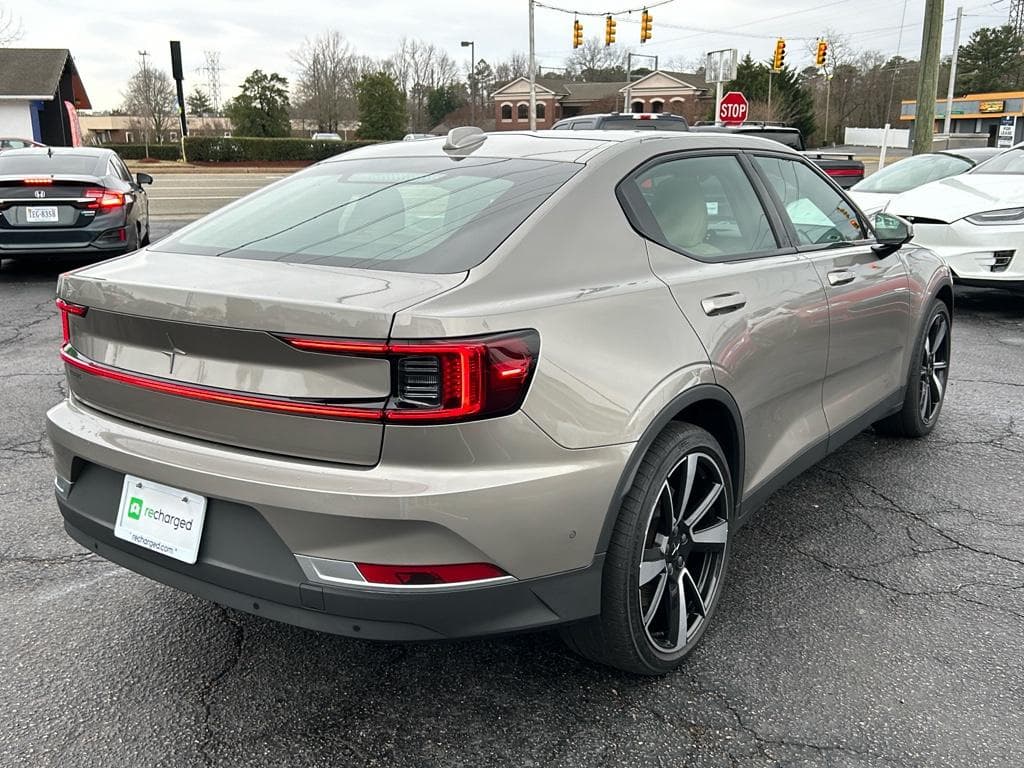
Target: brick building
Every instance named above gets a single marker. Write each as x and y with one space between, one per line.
659 91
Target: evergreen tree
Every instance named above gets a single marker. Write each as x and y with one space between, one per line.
261 109
381 107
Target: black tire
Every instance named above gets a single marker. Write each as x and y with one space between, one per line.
627 634
930 367
133 239
144 241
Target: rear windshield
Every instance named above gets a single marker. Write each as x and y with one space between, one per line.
789 138
913 172
432 215
631 124
40 163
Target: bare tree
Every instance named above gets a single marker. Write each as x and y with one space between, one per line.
595 61
516 65
10 26
150 96
325 87
420 68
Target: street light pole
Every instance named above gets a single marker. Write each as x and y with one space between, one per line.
952 71
147 99
472 79
533 75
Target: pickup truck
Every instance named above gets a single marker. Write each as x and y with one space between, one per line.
844 169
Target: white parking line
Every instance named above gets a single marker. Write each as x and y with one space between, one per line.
196 197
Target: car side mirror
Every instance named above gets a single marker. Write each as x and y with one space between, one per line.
891 233
143 178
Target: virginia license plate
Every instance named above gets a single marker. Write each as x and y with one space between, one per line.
41 214
161 518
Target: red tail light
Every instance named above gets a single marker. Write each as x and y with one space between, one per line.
67 308
412 575
450 380
844 172
103 199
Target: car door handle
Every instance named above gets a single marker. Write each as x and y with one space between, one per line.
841 277
726 302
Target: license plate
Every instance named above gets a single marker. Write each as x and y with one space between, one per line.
41 214
161 518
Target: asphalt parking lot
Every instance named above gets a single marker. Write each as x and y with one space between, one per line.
182 196
874 616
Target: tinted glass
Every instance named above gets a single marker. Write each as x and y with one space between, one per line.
704 206
433 215
819 214
39 163
1011 161
789 138
912 172
629 124
583 125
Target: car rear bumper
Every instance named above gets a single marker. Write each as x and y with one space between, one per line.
539 519
56 247
264 579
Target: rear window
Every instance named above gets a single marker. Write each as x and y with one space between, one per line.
631 124
1011 161
430 215
789 138
41 164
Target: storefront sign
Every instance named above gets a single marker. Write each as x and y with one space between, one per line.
987 107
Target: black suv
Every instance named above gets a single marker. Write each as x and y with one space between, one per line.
624 121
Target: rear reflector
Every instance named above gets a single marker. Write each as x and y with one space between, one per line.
413 575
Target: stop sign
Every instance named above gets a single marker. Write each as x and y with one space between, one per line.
733 109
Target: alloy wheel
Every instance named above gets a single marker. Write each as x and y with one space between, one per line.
934 368
683 559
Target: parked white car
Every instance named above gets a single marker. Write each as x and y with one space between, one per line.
874 193
974 221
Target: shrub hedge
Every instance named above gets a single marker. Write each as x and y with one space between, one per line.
216 149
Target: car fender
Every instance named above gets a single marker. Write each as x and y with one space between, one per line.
668 411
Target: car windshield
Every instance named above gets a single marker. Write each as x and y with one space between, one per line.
432 215
912 172
1011 161
42 164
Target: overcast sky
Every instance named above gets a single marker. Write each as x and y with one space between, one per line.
105 37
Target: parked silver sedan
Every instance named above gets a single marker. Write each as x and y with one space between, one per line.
487 383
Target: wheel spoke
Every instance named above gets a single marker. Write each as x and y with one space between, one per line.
937 384
928 345
940 334
676 616
687 584
686 488
659 594
939 366
926 399
705 505
652 566
713 537
666 508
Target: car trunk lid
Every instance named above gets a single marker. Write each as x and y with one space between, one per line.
196 346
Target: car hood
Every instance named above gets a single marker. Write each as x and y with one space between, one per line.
870 202
954 198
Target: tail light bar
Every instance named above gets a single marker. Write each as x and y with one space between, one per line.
449 380
844 171
432 382
103 199
37 181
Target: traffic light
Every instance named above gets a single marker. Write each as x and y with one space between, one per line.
819 60
609 30
646 24
577 33
779 60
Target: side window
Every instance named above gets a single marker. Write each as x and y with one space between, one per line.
506 111
583 125
819 214
703 206
523 112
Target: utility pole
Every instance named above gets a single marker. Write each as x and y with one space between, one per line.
147 97
928 79
533 75
472 78
952 71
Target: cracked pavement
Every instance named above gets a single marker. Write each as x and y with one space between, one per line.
873 616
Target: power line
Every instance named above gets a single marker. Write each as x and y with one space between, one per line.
571 12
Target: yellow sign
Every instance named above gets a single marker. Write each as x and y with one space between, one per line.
986 107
